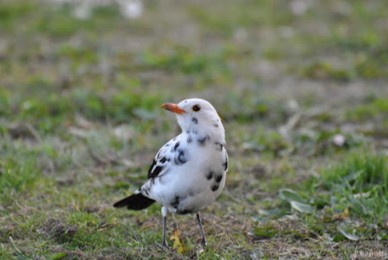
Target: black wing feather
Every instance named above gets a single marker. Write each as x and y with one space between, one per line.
161 160
159 165
151 173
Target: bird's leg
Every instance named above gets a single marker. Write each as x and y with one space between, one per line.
203 241
164 214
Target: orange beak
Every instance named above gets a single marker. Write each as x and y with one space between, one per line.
173 108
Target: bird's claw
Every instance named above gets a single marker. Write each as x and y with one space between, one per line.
164 245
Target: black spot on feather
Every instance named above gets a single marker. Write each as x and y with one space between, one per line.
180 158
219 146
218 178
175 202
194 120
156 171
225 164
209 175
215 187
163 160
202 140
215 125
146 191
189 139
150 172
176 146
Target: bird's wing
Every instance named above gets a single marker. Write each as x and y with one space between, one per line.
163 159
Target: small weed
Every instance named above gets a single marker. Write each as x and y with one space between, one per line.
265 231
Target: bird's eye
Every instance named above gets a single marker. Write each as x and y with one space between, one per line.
196 108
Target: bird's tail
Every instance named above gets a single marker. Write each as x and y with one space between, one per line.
136 201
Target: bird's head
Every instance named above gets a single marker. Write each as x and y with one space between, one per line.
198 115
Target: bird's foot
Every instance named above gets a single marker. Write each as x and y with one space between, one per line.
164 245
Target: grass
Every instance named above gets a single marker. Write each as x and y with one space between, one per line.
349 198
301 94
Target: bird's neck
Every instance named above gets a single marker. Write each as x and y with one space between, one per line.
214 132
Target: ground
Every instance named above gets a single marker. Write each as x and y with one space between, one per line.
300 86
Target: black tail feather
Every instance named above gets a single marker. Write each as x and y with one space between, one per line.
135 202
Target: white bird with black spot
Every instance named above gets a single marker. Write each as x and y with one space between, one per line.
188 173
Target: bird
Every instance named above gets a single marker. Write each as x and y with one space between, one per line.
188 173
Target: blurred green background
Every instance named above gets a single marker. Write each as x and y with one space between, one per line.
301 86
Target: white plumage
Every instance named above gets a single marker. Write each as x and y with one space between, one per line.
188 172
